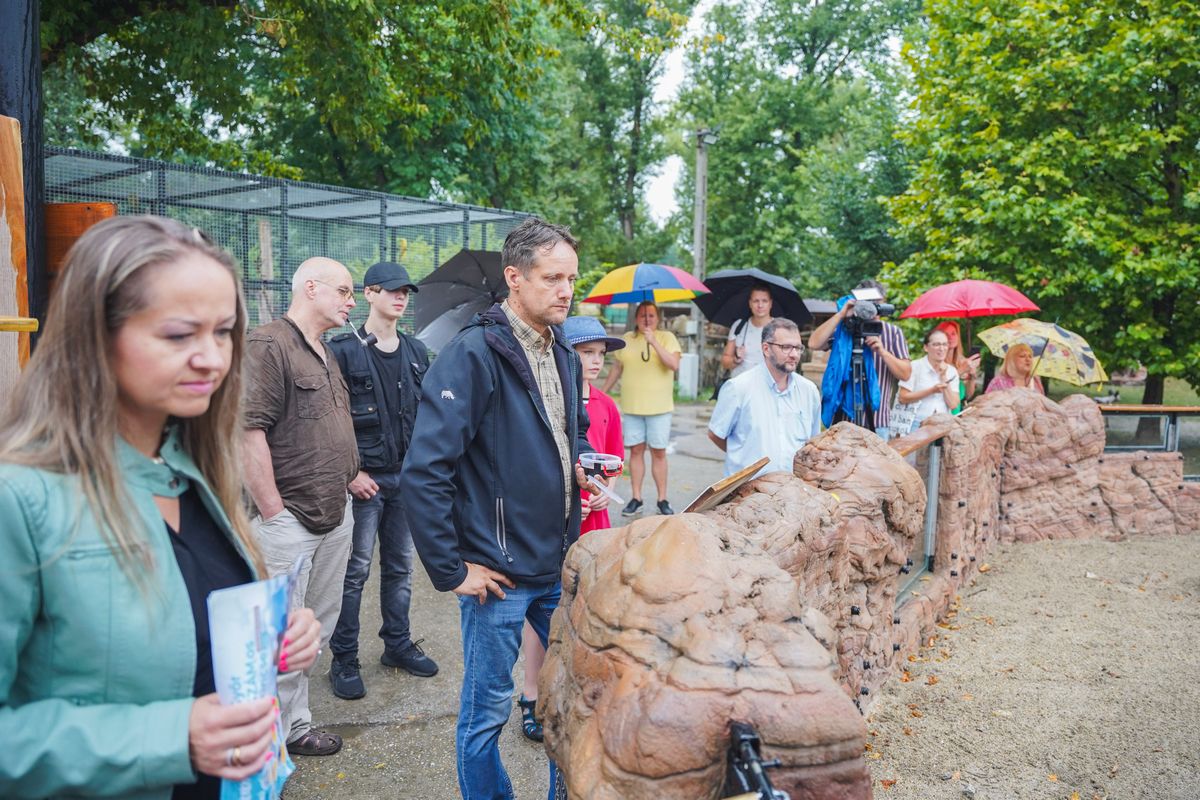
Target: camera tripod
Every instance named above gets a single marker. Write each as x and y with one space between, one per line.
860 388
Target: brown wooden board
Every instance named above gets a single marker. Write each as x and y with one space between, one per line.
716 494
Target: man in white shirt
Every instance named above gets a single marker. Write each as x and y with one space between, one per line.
743 348
770 410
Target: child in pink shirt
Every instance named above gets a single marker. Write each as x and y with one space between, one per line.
591 342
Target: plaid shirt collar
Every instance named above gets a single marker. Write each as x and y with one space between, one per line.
529 338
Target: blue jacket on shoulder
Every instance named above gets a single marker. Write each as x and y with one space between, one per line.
482 480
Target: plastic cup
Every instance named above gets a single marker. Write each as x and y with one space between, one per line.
601 465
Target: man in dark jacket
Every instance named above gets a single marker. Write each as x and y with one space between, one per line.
491 482
383 369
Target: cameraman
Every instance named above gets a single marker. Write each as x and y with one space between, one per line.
889 354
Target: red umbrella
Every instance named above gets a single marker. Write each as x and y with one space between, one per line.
969 298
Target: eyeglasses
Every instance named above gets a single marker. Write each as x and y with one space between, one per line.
342 291
788 349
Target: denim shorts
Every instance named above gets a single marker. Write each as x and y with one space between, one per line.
654 430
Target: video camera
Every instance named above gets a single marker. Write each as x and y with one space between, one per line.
863 320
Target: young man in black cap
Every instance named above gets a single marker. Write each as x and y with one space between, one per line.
383 369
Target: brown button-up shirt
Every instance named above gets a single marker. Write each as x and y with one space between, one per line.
539 350
304 406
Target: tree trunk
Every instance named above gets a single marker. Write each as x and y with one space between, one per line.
1154 390
1149 430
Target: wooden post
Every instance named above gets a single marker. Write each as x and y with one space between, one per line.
14 281
65 223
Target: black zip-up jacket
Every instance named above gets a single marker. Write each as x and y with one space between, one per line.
382 433
482 481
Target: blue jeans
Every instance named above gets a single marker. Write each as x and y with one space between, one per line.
491 635
383 516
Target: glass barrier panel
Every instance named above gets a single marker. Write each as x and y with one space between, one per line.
1135 431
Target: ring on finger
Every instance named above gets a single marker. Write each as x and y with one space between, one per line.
229 757
237 757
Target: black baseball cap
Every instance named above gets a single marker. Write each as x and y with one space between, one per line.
389 275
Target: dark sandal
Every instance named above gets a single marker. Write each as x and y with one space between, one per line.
530 725
315 743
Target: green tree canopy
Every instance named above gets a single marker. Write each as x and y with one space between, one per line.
541 105
356 91
1061 152
804 97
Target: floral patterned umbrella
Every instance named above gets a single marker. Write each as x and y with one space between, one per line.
1060 353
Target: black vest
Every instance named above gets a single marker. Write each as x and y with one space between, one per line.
382 433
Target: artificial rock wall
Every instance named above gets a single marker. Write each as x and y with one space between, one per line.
780 607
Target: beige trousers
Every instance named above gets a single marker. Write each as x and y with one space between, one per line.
283 539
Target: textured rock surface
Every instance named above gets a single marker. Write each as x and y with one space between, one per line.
668 629
878 515
780 606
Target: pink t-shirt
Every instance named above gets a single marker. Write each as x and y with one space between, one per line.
1002 382
604 433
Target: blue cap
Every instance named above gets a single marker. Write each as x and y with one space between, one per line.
580 330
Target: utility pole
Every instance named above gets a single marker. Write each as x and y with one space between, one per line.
704 137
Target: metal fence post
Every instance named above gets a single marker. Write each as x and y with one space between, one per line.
932 488
283 232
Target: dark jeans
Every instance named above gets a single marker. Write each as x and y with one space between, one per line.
382 515
491 635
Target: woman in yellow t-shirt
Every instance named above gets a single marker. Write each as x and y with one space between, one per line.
648 363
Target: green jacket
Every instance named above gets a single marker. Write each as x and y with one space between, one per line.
95 674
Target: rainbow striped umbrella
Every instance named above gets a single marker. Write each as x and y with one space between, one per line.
638 282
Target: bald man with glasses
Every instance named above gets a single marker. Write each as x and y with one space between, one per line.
300 454
768 410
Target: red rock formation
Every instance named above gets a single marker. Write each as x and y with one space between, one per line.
879 515
668 629
781 605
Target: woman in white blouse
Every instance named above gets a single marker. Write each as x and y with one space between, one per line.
933 386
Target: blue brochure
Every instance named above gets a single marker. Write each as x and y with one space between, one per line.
246 625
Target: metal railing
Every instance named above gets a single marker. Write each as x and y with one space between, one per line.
926 457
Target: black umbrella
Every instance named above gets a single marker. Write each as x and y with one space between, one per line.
455 292
729 298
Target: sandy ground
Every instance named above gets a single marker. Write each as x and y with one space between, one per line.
1068 671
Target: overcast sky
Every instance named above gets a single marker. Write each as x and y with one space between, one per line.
660 189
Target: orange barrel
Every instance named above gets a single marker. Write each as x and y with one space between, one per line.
65 223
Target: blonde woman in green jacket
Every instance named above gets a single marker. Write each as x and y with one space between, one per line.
120 508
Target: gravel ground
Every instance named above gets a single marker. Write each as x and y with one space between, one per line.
1069 670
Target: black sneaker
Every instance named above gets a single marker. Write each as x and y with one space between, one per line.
411 659
665 508
631 508
346 680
